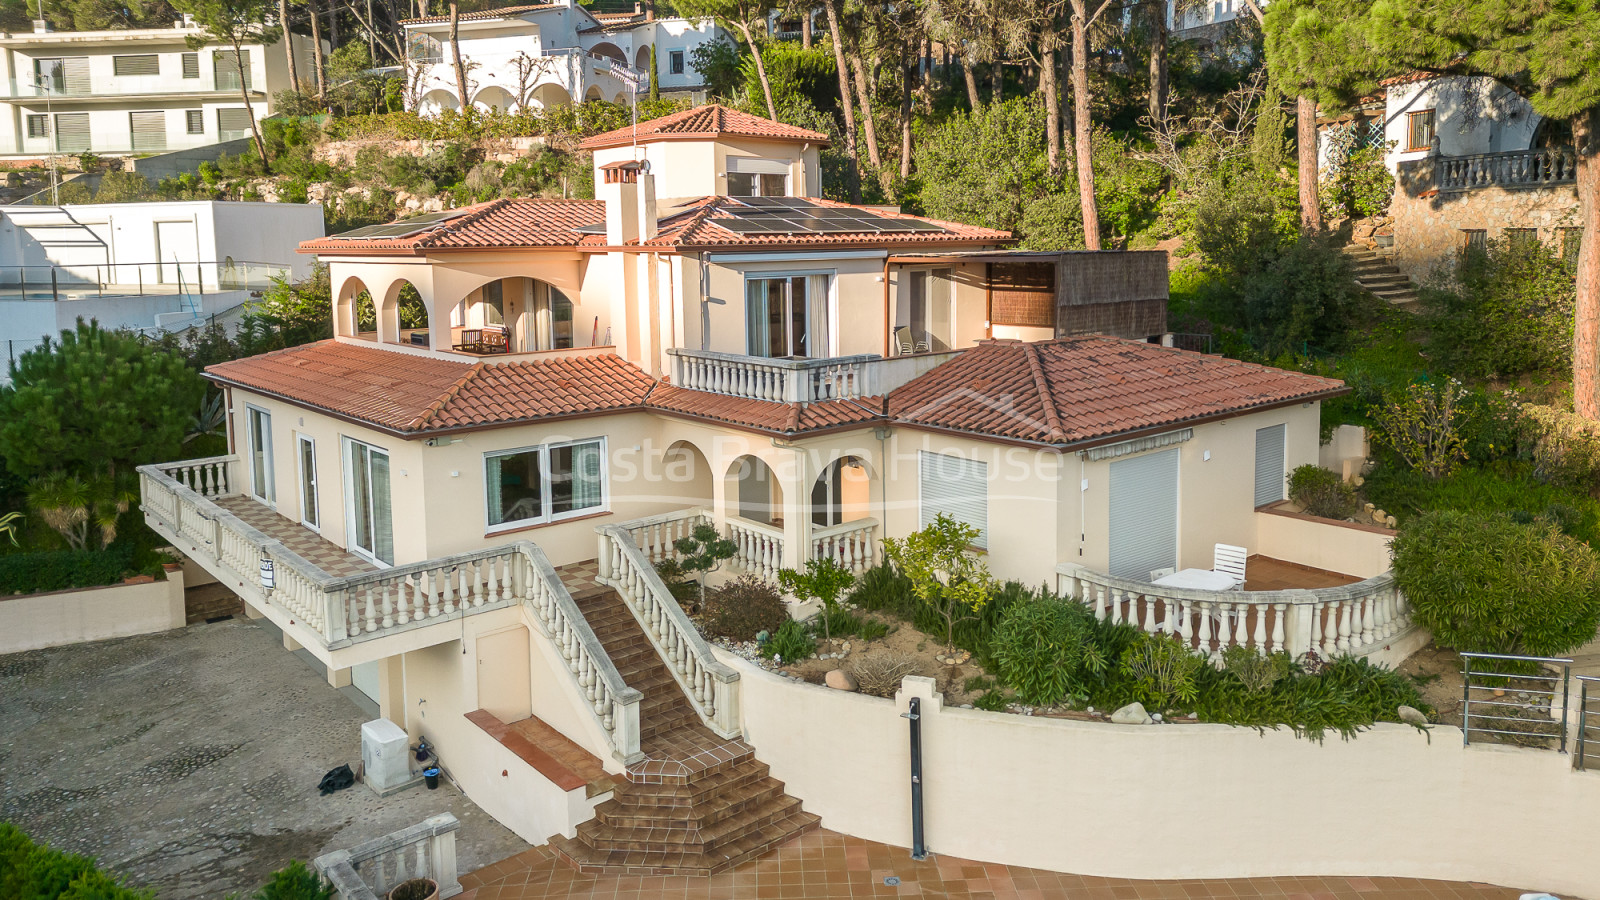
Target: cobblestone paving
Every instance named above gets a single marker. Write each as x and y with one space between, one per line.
188 761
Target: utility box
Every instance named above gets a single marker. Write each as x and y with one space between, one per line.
385 756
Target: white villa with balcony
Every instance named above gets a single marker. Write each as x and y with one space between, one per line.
134 92
463 514
553 54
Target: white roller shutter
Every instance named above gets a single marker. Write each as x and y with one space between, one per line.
233 123
956 487
75 75
72 132
1144 514
149 130
1269 464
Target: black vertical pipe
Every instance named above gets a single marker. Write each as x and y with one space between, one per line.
919 849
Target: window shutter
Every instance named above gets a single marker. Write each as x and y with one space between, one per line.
196 120
72 132
956 487
1269 464
233 124
191 65
149 130
75 75
1144 515
140 64
38 126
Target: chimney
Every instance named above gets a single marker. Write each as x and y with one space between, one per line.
40 26
619 190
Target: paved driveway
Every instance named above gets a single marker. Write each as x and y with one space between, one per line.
188 761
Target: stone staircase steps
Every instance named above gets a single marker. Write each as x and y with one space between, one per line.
664 861
1377 274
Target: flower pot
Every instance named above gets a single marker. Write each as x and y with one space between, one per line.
430 776
415 889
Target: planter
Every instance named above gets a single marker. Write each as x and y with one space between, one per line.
416 889
430 775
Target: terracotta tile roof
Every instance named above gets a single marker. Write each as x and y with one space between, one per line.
765 415
410 394
1076 390
1410 78
614 22
498 224
481 15
704 122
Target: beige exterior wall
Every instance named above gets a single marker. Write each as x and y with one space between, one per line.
59 618
1358 550
685 169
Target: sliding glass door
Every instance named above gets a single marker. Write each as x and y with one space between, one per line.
259 426
788 316
310 514
367 494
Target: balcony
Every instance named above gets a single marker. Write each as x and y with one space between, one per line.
1511 169
798 380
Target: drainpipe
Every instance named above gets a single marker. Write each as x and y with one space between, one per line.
919 849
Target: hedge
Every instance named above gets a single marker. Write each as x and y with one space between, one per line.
36 872
61 570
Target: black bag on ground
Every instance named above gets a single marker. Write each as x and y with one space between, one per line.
337 780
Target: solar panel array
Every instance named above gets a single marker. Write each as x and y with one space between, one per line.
788 215
401 229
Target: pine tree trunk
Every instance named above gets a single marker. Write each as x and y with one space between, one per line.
805 29
1081 126
972 82
761 70
1306 139
907 73
288 44
333 24
249 109
868 125
317 60
1158 60
1586 312
1052 106
846 102
455 56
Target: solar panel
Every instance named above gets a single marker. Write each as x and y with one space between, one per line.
403 228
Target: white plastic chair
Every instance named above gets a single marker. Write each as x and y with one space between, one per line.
1228 559
1161 573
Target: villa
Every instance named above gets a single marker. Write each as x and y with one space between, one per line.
460 516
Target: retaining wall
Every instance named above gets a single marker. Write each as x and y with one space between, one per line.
59 618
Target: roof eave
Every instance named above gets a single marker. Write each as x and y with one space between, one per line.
627 140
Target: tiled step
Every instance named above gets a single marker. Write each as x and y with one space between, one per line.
699 837
675 862
676 801
765 793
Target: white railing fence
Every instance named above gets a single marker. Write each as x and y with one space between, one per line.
759 547
342 611
1355 619
655 535
775 380
851 544
370 870
712 686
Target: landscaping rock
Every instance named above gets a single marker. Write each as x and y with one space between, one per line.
840 680
1132 714
1412 716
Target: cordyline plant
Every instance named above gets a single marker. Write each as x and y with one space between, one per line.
1426 426
825 581
945 575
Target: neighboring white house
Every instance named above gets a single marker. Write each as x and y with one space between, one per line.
1203 19
551 54
167 265
139 91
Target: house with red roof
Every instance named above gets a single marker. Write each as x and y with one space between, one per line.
457 502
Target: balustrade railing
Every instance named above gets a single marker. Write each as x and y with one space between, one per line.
655 535
362 607
759 547
1515 168
776 380
209 477
712 686
370 870
1355 619
851 544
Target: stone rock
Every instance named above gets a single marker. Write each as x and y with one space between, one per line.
1392 522
1132 714
1379 516
840 680
1368 507
1357 480
1156 716
1411 716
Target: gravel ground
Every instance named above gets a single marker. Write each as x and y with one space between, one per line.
188 761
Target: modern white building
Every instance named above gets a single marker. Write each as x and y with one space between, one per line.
1204 20
551 54
140 91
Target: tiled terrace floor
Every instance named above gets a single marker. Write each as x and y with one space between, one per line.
1263 573
302 540
824 865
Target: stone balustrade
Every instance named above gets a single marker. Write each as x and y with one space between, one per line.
655 535
851 544
775 380
214 476
1355 619
370 870
1513 168
759 547
710 685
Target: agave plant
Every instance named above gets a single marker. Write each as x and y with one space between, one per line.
9 524
210 419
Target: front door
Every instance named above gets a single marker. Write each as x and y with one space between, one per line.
367 502
1144 514
178 252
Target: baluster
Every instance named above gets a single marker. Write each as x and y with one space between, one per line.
372 614
1224 626
1260 611
1098 595
1369 623
1241 616
1345 612
1169 615
1277 626
447 598
388 606
1116 606
1204 644
1326 621
1149 603
1185 625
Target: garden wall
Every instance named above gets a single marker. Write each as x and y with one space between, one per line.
1345 547
1178 801
1429 225
59 618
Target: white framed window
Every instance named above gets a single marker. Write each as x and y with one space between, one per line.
789 315
956 487
306 462
38 126
675 62
369 514
925 316
191 65
195 120
258 433
751 177
544 483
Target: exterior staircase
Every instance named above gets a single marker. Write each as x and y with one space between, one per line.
698 803
1377 274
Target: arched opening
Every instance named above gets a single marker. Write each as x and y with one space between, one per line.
621 99
842 493
641 59
685 468
550 96
353 306
437 101
516 314
402 316
1553 133
593 93
754 492
495 99
609 51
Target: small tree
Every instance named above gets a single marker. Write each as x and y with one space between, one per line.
84 512
701 552
945 576
1426 426
296 881
825 581
236 23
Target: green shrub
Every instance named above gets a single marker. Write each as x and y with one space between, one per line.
743 608
1256 671
992 701
835 622
1321 492
1045 650
1427 426
1507 486
60 570
30 871
1502 310
1162 671
1486 583
1345 695
884 589
1565 447
1306 297
296 881
790 643
686 592
1358 186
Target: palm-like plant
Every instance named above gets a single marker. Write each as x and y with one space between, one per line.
79 510
9 524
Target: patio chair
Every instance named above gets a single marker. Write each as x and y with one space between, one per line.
1229 559
902 339
1161 573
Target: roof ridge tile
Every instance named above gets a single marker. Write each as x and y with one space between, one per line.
1046 396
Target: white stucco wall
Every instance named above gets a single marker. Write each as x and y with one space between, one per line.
1472 114
59 618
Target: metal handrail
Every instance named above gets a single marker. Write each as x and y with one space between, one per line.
1579 756
1467 701
228 274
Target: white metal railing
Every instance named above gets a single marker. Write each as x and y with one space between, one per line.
342 611
759 547
370 870
851 544
1355 619
1514 168
712 686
